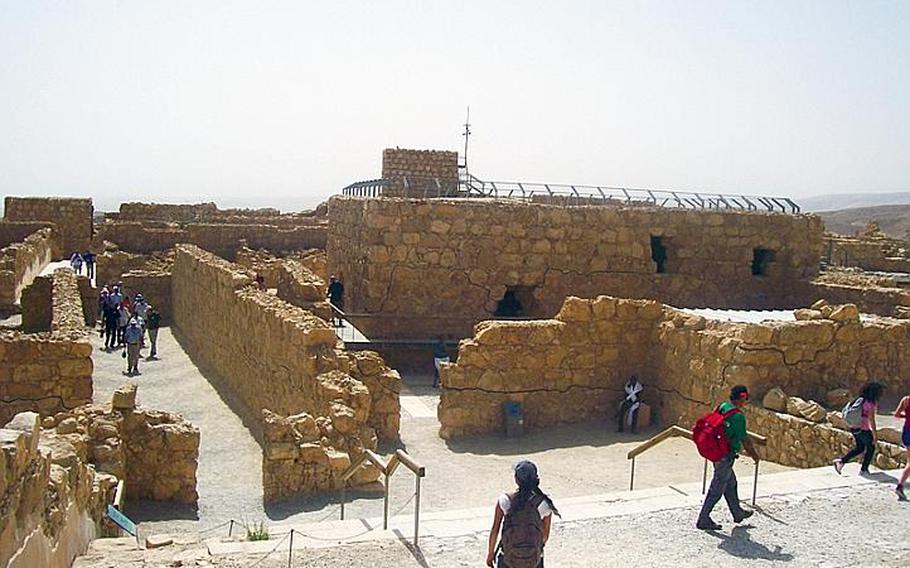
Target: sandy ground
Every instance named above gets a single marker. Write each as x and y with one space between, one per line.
575 460
859 526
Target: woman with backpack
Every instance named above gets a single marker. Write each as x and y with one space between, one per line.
904 412
864 430
524 516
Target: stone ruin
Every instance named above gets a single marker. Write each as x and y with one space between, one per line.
603 280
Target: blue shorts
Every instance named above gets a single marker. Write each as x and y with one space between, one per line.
905 437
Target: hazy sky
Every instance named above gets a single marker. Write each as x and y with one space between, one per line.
283 103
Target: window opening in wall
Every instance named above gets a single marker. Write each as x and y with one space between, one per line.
761 259
518 301
659 253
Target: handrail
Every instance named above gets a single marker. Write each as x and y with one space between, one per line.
387 468
677 431
118 495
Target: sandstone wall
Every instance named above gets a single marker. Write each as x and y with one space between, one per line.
422 168
568 369
274 356
221 239
299 286
871 252
155 288
432 267
49 371
22 261
51 502
72 216
210 213
892 302
16 231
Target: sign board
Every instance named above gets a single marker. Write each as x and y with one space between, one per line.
122 521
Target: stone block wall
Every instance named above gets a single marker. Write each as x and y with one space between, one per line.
22 261
274 356
568 369
221 239
155 288
892 302
71 215
16 231
870 252
51 502
434 267
422 168
299 286
210 213
155 452
49 371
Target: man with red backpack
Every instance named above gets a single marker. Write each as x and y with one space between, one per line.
733 433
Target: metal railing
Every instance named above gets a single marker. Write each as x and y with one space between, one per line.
469 185
678 431
400 457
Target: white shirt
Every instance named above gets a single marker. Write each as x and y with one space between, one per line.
505 504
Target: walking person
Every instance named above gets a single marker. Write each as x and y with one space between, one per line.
102 304
904 412
111 321
89 258
525 516
724 483
860 416
335 294
152 324
76 262
132 336
123 320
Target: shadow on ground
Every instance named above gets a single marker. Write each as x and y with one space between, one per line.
142 510
595 434
740 544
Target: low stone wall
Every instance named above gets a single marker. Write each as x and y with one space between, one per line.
22 261
210 213
274 356
71 215
49 371
870 252
16 231
568 369
155 452
51 501
221 239
892 302
299 286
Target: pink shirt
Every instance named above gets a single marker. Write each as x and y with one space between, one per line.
869 409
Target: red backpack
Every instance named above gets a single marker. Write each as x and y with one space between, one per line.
710 435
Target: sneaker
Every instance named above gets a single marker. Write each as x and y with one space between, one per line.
838 465
708 525
742 516
901 496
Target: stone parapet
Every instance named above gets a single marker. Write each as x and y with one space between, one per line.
438 266
49 371
294 365
24 260
71 215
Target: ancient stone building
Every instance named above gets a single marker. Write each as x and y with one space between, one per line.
419 173
424 267
72 216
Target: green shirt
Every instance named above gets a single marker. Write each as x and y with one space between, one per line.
735 426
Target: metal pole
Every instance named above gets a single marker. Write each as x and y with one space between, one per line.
231 528
342 501
291 548
632 477
417 512
755 484
704 478
385 506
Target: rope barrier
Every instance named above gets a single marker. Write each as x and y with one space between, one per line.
269 553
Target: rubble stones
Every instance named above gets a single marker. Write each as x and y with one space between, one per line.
775 399
125 397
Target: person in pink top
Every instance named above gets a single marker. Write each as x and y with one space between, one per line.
865 436
904 412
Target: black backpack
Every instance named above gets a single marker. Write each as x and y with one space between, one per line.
522 534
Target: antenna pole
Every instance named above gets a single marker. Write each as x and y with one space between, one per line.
467 135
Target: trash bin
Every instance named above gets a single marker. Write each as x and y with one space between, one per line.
514 418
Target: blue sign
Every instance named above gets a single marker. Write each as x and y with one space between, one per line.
122 521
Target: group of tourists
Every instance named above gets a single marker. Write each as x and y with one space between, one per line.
124 323
86 258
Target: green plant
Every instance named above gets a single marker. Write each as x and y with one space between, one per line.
256 531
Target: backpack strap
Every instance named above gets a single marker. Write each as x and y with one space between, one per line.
728 413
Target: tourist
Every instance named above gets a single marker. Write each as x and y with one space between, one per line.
102 303
89 258
140 311
864 434
122 321
904 412
335 293
440 356
152 324
76 263
525 517
111 320
628 407
132 336
116 296
724 484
